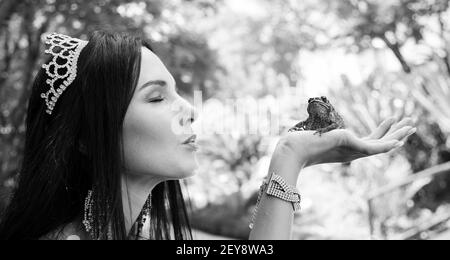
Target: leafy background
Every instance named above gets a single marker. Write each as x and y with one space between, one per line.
372 58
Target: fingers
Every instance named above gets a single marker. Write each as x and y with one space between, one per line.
373 147
400 134
401 124
384 147
382 129
389 130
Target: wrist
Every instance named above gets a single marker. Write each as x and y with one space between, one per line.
289 152
286 163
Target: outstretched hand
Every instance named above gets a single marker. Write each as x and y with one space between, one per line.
344 146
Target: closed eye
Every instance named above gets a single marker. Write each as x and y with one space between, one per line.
156 99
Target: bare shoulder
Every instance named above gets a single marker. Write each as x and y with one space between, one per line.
71 231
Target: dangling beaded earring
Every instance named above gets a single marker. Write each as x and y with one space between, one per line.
88 220
88 214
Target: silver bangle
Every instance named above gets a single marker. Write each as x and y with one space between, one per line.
275 186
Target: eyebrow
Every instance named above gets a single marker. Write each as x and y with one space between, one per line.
160 83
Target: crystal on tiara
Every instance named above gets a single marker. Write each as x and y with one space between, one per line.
63 66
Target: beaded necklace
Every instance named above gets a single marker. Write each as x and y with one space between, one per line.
92 229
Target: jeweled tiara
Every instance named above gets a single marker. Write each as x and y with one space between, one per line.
63 66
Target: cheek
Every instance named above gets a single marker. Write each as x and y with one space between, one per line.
145 138
150 146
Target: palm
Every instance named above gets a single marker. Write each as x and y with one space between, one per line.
343 146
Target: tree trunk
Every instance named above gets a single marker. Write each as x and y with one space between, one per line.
18 114
7 8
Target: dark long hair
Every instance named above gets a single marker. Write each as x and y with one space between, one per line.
56 175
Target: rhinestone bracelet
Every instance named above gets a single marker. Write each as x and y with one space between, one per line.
275 186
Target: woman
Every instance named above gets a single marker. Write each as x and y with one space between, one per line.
102 157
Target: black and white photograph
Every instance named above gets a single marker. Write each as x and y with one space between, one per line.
239 123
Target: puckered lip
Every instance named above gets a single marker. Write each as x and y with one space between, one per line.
191 139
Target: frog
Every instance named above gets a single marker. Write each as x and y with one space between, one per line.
322 117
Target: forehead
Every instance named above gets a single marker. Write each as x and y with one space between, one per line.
152 68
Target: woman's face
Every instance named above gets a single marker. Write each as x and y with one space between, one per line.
157 124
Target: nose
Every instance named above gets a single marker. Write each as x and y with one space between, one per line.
191 114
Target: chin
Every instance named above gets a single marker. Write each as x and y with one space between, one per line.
186 169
